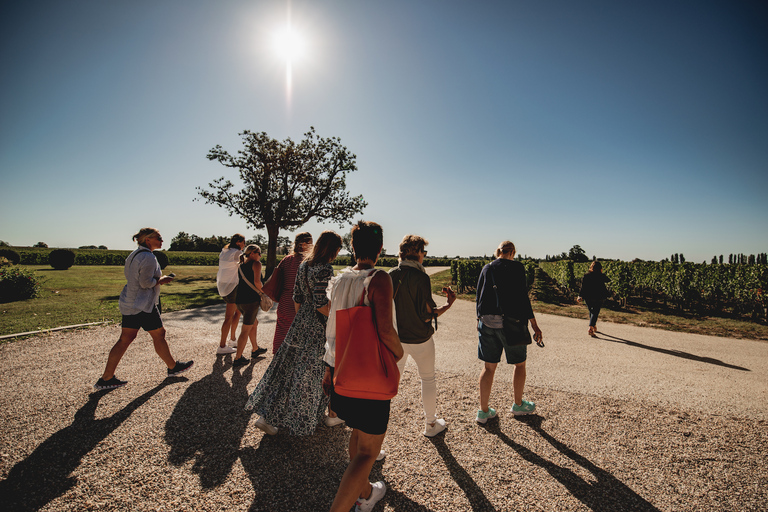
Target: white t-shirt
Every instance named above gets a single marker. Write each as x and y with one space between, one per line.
226 277
344 291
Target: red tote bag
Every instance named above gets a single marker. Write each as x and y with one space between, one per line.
365 367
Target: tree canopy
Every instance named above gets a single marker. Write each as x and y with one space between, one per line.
285 184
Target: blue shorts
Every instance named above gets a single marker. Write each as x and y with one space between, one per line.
147 321
492 342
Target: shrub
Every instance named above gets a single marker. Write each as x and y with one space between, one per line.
18 284
10 255
61 259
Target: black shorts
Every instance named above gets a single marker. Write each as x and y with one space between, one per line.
147 321
369 416
232 297
249 312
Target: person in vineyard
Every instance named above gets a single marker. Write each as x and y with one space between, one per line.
280 286
140 306
593 292
226 282
502 290
415 310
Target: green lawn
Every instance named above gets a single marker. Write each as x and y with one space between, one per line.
84 294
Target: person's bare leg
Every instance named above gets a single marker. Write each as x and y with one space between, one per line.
486 383
118 350
518 382
242 340
252 336
161 347
354 484
235 321
231 314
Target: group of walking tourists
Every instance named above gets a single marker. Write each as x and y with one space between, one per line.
324 319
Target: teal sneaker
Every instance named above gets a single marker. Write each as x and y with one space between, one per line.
526 408
482 417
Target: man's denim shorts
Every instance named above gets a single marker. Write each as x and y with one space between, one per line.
491 344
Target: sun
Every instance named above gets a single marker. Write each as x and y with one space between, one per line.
288 44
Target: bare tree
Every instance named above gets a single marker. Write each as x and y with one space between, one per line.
286 184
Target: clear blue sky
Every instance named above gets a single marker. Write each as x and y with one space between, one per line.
634 129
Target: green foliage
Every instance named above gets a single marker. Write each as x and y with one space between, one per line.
11 255
42 245
285 184
468 272
739 288
18 283
61 259
577 254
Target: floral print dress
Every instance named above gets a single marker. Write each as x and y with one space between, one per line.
290 394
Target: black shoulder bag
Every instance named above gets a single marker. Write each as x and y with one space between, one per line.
515 331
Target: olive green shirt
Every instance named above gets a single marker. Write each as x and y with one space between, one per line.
413 291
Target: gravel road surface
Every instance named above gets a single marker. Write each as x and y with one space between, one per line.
637 419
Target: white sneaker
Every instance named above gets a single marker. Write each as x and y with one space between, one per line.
434 429
225 350
333 421
381 455
266 427
232 343
377 492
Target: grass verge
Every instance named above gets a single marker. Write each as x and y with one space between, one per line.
84 294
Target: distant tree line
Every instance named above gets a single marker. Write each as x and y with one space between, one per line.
576 254
186 242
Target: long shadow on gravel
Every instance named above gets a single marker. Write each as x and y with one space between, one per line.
45 474
477 499
676 353
208 422
607 494
297 473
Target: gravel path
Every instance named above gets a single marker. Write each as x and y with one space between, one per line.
639 419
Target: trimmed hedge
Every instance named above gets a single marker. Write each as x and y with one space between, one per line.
10 255
61 259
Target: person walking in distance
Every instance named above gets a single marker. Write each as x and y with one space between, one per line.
502 290
416 310
139 305
594 292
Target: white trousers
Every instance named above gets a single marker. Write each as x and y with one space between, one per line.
423 355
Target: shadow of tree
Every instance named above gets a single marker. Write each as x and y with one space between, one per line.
45 474
208 423
676 353
477 499
215 314
607 494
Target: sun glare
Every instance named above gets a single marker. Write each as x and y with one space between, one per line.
288 44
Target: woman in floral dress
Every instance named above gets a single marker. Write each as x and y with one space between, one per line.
290 394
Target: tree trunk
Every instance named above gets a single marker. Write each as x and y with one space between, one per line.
272 232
